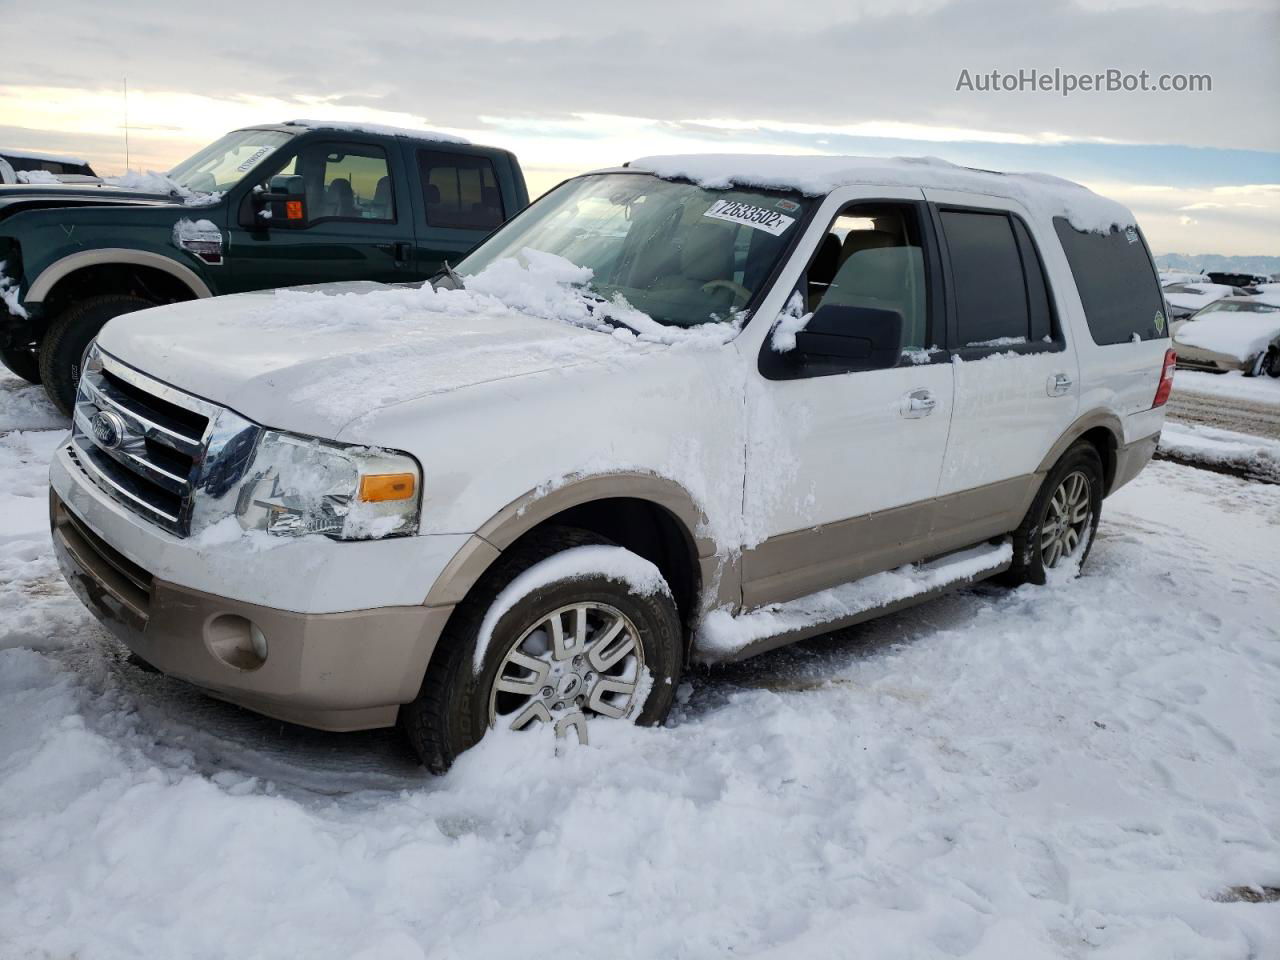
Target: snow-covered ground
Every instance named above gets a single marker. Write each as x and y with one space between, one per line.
1085 769
1255 457
1234 385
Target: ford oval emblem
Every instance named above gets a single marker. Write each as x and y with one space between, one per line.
108 429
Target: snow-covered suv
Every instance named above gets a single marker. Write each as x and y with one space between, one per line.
693 408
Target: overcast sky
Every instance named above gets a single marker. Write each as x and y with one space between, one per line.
570 86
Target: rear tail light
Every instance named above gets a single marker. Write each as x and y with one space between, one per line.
1166 379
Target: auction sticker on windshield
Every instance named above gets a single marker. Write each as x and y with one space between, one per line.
758 218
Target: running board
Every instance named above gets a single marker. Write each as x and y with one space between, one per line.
723 637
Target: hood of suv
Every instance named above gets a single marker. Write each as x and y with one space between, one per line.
313 359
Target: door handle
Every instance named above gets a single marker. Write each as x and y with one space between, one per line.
917 404
1058 385
401 251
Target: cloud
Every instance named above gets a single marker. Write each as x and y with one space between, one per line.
829 62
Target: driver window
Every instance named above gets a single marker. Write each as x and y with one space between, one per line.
872 257
344 182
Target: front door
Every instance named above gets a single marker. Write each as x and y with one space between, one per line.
842 467
359 223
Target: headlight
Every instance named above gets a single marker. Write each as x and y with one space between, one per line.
299 485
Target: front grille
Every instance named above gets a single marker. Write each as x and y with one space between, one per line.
148 445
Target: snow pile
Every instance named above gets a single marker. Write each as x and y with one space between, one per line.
9 293
721 634
1234 333
377 129
1257 457
1233 385
36 176
159 183
577 563
26 406
791 321
1078 770
1043 195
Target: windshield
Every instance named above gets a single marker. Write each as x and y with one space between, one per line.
680 253
223 163
1238 306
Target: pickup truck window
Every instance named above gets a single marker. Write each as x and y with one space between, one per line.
460 190
681 253
223 163
345 181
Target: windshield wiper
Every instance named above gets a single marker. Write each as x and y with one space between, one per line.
453 277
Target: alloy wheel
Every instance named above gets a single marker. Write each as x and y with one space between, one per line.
1068 519
580 661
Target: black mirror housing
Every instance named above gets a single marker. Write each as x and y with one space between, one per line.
283 203
854 338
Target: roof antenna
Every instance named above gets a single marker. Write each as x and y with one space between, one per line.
126 124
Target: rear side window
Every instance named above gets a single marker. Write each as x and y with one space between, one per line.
1001 297
1118 284
461 191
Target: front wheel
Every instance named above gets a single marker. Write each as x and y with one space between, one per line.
62 349
1272 363
1060 526
566 632
23 361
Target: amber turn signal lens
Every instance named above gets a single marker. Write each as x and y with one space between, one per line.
380 487
293 209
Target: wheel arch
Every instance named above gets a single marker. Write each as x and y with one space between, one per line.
650 515
1104 431
115 267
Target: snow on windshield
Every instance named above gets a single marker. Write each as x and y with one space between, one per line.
1043 195
152 182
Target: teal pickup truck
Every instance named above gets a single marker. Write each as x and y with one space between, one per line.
269 206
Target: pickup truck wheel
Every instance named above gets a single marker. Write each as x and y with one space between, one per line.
68 336
1059 527
1272 365
570 653
22 361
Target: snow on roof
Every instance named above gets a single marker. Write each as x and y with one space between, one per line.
1041 193
41 155
376 128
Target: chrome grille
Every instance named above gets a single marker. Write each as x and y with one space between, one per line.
150 446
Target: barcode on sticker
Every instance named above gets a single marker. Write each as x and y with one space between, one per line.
758 218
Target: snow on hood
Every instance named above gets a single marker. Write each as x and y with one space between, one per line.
1233 334
814 176
161 184
314 359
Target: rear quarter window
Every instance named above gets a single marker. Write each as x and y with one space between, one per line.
1117 282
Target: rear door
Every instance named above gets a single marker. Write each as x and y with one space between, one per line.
458 201
1016 373
359 221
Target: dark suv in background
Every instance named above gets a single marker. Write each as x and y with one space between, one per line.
267 206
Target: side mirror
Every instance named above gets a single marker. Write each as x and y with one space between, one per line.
283 204
855 338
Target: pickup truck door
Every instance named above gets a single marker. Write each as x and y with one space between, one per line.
459 198
843 466
359 222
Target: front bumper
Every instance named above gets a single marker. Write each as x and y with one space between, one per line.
1197 358
333 671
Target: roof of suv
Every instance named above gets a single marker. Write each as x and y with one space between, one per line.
817 175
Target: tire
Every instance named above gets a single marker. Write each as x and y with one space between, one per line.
1030 553
1272 365
23 362
452 711
67 338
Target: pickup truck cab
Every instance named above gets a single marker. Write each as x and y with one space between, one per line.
275 205
690 409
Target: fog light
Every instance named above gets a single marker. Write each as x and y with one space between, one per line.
236 641
258 640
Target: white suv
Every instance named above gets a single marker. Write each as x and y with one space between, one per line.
693 408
